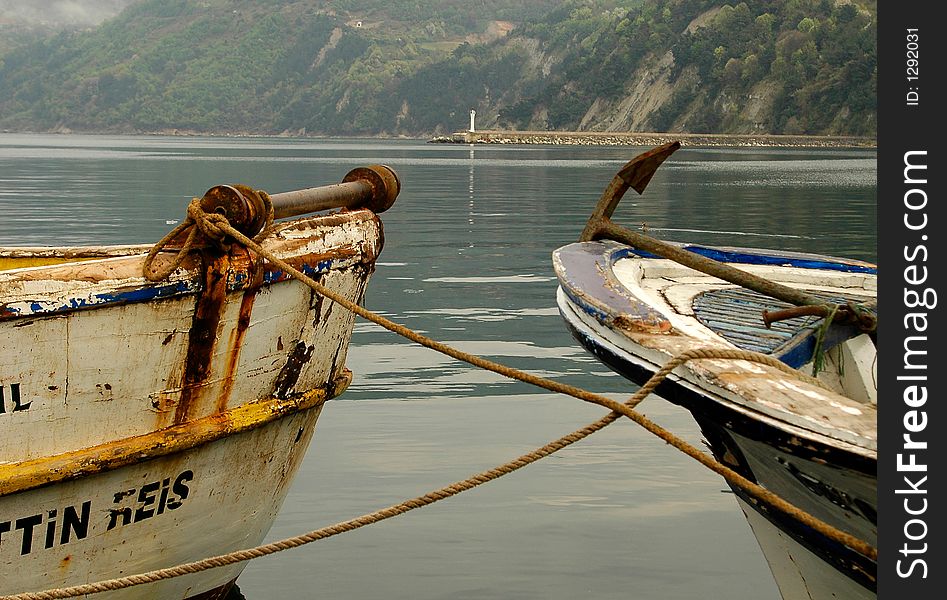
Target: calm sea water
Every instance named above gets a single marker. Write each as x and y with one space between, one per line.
467 261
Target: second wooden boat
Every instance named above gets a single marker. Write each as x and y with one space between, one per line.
636 302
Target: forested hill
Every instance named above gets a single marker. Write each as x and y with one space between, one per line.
416 67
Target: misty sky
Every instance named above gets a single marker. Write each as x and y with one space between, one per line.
60 12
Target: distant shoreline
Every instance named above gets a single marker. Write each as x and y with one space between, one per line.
611 138
511 137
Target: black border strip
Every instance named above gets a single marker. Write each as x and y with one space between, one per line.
910 107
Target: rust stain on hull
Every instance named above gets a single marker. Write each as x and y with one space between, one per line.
239 333
203 334
233 350
289 375
219 271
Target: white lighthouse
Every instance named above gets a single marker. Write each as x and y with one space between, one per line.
473 115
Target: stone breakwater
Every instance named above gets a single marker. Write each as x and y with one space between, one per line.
589 138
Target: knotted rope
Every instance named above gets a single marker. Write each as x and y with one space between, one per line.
216 225
215 228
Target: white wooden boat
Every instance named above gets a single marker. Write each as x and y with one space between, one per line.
146 424
813 445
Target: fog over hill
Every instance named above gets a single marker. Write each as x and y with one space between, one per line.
60 13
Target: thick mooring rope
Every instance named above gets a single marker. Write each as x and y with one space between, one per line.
618 410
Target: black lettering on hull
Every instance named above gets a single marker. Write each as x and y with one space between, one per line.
17 404
53 527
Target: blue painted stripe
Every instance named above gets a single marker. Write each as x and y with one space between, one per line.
140 294
307 270
151 292
598 314
748 258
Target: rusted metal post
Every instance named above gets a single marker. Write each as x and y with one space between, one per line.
374 187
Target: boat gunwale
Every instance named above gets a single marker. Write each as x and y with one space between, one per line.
759 256
14 258
603 296
74 252
39 472
611 252
187 280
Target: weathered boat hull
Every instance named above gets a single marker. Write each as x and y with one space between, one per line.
150 424
768 439
837 488
205 501
798 570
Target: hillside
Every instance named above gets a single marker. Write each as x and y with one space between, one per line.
796 67
415 68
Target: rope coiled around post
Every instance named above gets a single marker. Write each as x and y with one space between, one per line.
216 225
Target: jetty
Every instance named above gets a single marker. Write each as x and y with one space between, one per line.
621 138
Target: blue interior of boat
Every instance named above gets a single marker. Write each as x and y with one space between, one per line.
767 257
735 315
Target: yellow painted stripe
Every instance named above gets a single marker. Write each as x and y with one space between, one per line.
26 475
8 263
